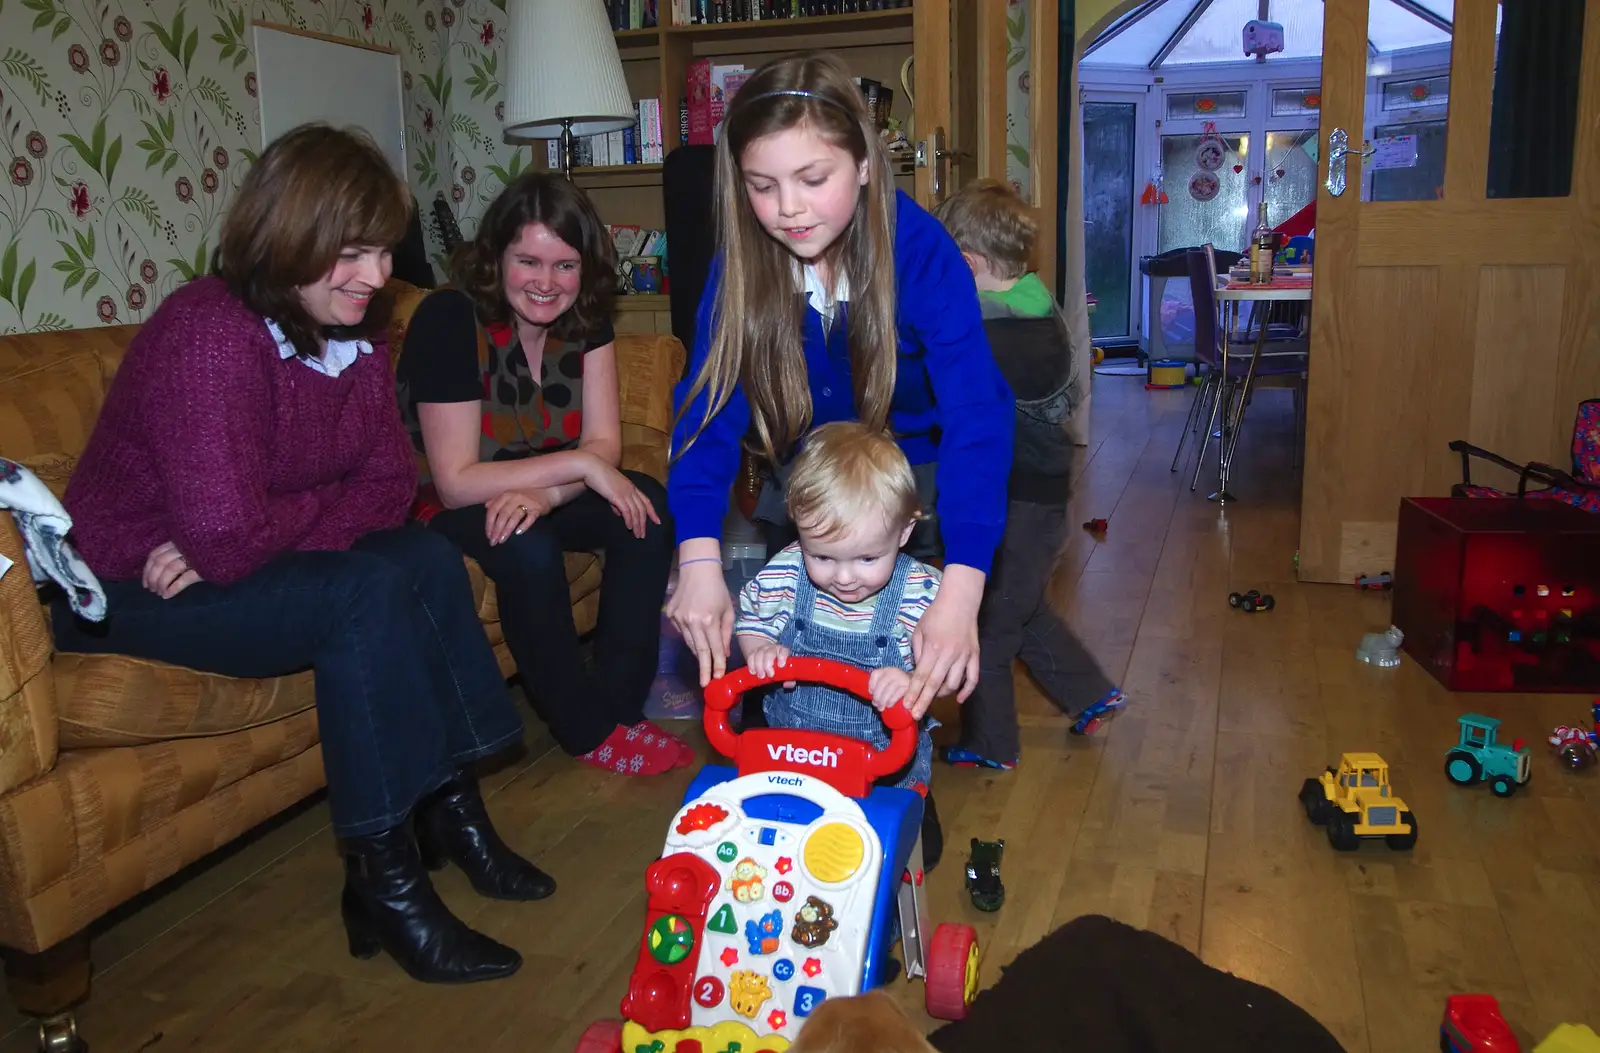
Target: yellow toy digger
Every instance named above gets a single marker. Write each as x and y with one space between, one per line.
1355 800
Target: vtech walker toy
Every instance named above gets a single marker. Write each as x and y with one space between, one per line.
780 886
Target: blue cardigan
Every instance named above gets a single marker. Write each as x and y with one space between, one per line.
946 379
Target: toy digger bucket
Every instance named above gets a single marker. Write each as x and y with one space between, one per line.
721 695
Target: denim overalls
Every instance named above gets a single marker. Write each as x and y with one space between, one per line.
816 707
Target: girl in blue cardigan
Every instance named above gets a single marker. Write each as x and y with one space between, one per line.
835 297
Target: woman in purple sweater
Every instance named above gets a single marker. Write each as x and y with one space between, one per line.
244 499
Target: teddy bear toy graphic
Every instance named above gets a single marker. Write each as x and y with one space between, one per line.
748 881
813 923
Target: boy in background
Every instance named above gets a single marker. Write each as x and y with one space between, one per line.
1033 347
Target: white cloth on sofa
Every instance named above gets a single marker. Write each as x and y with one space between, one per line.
44 523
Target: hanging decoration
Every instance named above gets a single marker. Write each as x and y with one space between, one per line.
1153 192
1204 186
1209 154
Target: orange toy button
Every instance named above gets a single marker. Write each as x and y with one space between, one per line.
708 991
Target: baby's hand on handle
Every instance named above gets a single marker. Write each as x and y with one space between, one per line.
889 685
762 656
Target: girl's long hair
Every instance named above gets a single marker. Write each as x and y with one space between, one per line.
758 318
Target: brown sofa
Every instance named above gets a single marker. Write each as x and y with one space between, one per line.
115 772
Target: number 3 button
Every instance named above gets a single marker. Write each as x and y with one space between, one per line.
708 991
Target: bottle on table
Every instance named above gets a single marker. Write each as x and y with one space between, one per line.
1261 249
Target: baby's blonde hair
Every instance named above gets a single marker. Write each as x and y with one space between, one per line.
848 472
867 1023
989 219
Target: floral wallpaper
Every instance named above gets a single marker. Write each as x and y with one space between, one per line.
127 125
1018 110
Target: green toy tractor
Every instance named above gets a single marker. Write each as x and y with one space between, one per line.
1479 757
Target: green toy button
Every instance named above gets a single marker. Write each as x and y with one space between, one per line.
726 851
671 939
723 921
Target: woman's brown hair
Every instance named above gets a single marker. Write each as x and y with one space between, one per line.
554 202
759 315
316 191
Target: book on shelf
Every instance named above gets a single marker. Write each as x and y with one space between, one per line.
705 12
639 144
631 14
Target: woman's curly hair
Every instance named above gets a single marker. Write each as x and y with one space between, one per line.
552 200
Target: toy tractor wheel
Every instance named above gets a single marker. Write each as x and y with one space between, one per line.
602 1036
1314 801
1503 785
1403 842
1342 832
952 981
1266 602
1249 604
1234 599
1462 768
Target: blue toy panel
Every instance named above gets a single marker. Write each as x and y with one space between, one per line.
894 814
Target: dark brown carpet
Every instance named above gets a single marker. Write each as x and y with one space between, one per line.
1099 986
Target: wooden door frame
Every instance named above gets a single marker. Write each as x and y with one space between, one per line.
1347 522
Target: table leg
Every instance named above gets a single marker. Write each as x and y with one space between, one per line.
1230 318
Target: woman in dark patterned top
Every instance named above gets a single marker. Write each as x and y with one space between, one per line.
509 386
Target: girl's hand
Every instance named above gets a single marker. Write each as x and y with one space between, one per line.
945 643
514 512
623 497
889 685
761 656
166 572
703 612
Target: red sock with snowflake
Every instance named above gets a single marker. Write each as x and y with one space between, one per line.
635 751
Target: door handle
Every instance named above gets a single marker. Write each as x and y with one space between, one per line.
932 154
1339 153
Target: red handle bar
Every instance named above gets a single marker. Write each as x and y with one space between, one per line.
722 693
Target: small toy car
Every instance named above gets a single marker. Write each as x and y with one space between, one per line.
1252 601
1355 800
1477 757
1575 745
983 875
1096 526
1375 582
1472 1022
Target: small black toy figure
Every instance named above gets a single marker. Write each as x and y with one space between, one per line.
1251 601
983 875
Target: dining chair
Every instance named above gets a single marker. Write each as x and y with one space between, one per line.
1221 392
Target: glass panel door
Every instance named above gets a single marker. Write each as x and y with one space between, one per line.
1206 177
1110 130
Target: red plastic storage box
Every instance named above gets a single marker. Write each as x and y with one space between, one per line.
1500 594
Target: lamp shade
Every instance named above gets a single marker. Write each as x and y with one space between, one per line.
562 64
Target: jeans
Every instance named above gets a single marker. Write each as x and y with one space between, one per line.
1016 621
408 690
529 571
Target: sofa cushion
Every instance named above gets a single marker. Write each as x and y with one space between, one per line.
114 700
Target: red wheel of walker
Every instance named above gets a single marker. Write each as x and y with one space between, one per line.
952 981
602 1036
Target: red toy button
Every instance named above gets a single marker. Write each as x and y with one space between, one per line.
729 956
812 967
708 991
785 864
776 1019
783 892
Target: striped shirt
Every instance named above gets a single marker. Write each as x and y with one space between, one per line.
766 603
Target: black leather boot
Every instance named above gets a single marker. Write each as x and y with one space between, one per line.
453 827
390 905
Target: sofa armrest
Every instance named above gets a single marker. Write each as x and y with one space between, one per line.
28 732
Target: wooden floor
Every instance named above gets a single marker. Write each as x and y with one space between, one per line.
1180 817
